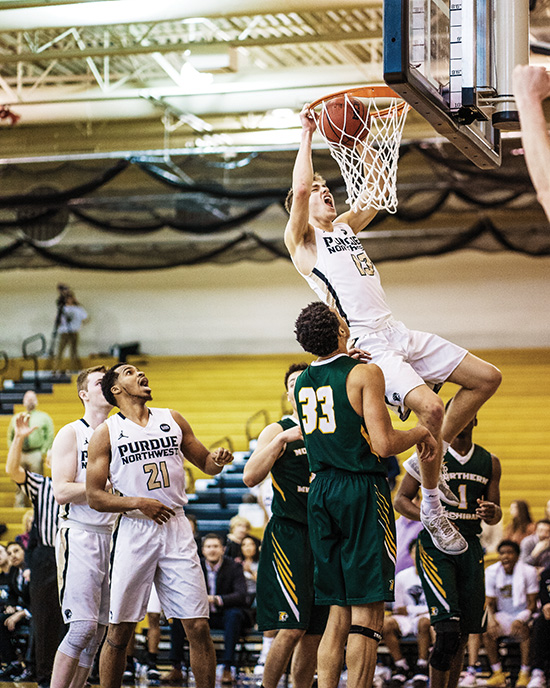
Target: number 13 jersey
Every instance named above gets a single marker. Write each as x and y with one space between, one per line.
345 278
148 461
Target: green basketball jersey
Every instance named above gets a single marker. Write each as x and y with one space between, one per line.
469 483
290 477
334 434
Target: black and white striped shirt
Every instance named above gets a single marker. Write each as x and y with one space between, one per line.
39 490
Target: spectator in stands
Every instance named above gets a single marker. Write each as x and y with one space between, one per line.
27 521
238 528
226 595
541 635
9 617
522 524
71 317
410 617
37 443
47 622
251 557
511 588
21 619
533 545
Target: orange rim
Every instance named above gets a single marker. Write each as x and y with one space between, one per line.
364 92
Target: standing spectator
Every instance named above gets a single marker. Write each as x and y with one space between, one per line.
541 635
37 443
522 524
47 622
532 545
71 317
531 87
511 588
226 596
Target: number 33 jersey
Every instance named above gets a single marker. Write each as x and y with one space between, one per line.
345 278
148 461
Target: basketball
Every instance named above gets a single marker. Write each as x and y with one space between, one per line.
344 120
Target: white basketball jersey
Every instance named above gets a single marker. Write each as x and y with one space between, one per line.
148 462
82 512
345 278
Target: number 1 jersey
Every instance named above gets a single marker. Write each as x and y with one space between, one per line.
148 461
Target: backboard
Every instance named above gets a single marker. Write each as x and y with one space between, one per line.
452 61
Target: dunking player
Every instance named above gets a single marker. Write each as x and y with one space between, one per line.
347 428
454 586
83 540
284 590
141 451
326 252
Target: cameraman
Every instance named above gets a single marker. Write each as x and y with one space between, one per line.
70 317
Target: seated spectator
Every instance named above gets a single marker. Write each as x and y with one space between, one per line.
227 597
541 635
9 618
27 521
21 619
522 524
238 528
410 616
511 589
532 545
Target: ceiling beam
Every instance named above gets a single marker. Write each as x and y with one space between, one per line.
139 11
180 47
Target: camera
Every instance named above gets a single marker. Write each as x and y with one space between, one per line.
64 291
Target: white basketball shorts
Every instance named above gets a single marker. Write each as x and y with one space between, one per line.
408 359
408 625
83 573
153 606
166 555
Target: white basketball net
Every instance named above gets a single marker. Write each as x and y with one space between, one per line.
369 167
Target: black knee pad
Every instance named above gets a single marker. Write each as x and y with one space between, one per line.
447 641
368 632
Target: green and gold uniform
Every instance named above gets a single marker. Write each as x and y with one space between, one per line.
284 588
455 585
350 514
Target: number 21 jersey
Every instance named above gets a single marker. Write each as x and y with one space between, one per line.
147 461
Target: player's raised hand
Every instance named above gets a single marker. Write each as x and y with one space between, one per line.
22 427
221 456
308 118
531 80
155 510
359 354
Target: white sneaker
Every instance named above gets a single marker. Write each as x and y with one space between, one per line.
538 679
469 680
412 466
444 535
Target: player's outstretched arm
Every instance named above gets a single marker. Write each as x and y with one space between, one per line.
488 508
298 230
403 502
271 444
13 461
65 467
97 474
385 439
531 87
194 451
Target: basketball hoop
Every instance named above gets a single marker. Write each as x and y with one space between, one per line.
363 132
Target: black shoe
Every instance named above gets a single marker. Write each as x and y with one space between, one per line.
397 680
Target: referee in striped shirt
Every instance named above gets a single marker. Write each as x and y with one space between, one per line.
48 626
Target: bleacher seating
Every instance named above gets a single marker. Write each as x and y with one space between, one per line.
217 395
